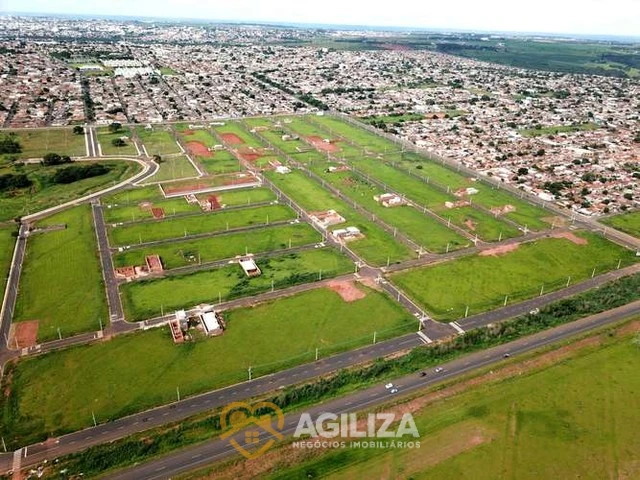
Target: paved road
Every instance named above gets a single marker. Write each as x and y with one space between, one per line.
11 290
210 452
116 313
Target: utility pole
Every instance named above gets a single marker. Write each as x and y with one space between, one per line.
178 392
93 415
250 374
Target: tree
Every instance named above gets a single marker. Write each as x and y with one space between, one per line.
523 171
78 130
10 144
118 142
115 127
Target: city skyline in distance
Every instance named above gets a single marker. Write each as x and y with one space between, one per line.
548 17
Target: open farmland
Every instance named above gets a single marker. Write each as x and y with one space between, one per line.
61 283
481 282
148 298
269 337
198 224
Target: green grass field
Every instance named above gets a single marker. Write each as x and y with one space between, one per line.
173 168
221 162
377 247
191 225
157 141
476 222
554 130
44 193
419 227
572 419
105 137
134 195
482 282
626 222
36 142
200 135
7 243
61 283
179 254
268 337
134 212
235 128
146 299
488 197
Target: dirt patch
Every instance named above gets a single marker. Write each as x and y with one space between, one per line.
157 213
572 237
199 149
501 250
186 189
186 133
231 139
556 221
24 334
240 180
323 146
371 283
347 290
250 157
470 224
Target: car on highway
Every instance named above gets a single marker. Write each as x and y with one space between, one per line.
439 370
393 390
423 374
388 386
506 355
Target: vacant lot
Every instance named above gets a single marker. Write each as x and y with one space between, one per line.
556 420
173 168
268 337
423 229
106 138
44 193
36 142
482 282
220 161
377 247
179 254
158 140
61 283
627 222
236 136
146 299
209 222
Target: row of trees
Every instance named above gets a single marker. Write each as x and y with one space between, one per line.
12 181
79 172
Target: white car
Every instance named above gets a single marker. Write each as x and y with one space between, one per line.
393 390
439 370
388 386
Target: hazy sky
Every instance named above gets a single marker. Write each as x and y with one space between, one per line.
614 17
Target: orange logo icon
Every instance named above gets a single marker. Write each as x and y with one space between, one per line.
258 420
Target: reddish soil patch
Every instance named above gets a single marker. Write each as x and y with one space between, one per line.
347 290
323 146
186 133
501 250
199 149
157 212
188 188
470 225
240 180
231 139
250 157
25 334
571 237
